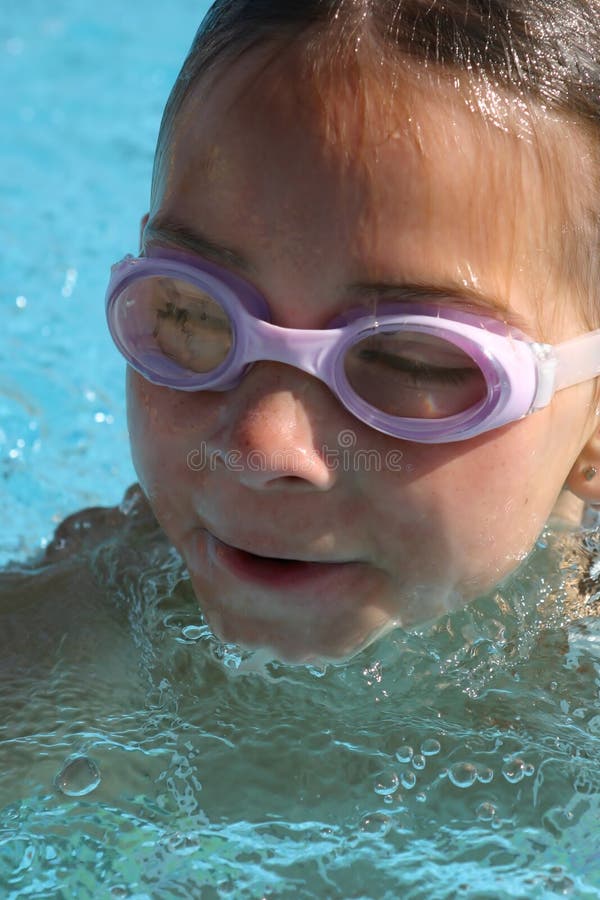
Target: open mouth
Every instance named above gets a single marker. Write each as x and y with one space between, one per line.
269 571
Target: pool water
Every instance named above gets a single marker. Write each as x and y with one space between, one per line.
141 758
82 88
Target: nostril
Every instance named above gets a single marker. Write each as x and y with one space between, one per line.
292 481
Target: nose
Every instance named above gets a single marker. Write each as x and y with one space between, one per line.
273 422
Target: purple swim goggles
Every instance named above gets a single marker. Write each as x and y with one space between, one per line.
419 372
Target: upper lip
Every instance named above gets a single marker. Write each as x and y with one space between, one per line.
274 555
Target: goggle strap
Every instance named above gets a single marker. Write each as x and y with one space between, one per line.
577 360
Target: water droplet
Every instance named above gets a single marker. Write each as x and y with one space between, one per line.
463 774
404 754
78 777
418 762
485 774
486 811
387 783
408 780
70 282
373 673
514 770
430 747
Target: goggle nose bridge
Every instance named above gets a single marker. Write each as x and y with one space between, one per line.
310 350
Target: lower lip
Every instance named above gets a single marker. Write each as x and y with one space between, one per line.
271 573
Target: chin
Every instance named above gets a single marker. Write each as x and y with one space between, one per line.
313 645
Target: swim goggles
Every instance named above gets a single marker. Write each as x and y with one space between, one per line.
416 371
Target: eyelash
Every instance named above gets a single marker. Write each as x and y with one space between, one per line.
419 370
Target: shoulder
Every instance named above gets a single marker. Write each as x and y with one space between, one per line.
77 584
88 546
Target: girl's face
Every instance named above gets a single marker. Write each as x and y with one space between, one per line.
326 199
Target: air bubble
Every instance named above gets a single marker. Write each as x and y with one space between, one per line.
408 780
486 811
375 823
78 777
387 783
430 747
404 754
418 762
463 774
485 774
514 770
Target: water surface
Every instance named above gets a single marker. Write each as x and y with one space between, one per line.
139 757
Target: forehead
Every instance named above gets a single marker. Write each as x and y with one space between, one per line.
414 173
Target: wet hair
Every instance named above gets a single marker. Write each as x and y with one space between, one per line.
545 51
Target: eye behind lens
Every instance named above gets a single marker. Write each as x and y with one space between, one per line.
413 374
169 323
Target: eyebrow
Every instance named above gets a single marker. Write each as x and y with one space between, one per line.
456 294
163 231
459 295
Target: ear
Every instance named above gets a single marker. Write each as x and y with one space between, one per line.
143 223
584 477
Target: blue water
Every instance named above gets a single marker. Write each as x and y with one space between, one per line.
82 87
139 757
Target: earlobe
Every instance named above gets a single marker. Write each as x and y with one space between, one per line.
584 477
143 223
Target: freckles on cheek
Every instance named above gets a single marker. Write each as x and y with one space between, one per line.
166 432
160 414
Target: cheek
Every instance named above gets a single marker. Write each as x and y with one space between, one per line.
148 431
165 430
474 510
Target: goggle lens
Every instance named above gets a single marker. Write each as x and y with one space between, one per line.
174 318
414 374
